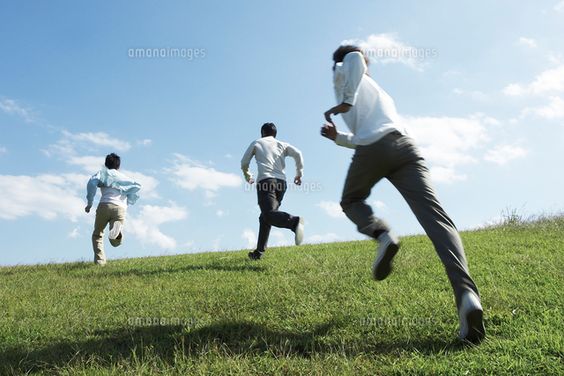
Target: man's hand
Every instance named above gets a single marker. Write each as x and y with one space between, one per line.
329 130
298 180
251 181
87 208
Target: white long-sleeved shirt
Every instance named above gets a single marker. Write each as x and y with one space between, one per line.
270 154
373 113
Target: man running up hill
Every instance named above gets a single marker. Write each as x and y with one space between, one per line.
271 185
383 150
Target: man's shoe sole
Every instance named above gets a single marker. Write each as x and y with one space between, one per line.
383 269
115 231
476 331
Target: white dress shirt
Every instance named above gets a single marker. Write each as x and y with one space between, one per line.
373 113
113 196
270 154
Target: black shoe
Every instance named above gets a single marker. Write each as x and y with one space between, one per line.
255 255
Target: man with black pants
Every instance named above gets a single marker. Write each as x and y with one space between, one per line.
271 185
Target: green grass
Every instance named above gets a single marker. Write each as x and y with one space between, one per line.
301 310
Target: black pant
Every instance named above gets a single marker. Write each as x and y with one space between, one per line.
270 193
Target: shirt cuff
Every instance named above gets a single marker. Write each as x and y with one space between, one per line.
350 99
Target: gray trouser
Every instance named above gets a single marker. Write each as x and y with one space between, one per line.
396 158
105 214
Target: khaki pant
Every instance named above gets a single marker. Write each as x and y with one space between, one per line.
106 213
396 158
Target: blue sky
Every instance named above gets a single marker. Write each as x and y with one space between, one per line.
480 86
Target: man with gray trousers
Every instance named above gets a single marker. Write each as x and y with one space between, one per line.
383 150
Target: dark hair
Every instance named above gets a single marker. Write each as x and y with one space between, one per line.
113 161
268 129
342 51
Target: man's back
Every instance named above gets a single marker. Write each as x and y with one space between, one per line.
270 155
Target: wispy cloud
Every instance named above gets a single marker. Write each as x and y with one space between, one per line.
3 150
47 196
449 142
250 237
329 237
70 144
559 7
503 154
475 95
527 42
75 233
553 110
331 208
387 48
12 107
99 139
192 175
549 81
146 225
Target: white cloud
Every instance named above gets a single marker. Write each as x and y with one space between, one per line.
70 143
192 175
386 48
99 139
145 142
446 175
476 95
12 107
503 154
47 196
379 205
329 237
75 233
332 209
88 163
146 225
250 237
220 213
3 150
448 142
559 7
549 81
514 90
279 238
551 111
527 42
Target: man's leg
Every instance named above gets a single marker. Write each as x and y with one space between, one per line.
102 219
413 182
117 214
270 194
269 204
366 169
266 204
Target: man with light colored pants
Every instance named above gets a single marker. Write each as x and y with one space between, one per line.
383 150
118 191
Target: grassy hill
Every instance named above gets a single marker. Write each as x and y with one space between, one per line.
301 310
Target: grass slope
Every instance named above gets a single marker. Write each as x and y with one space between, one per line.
301 310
